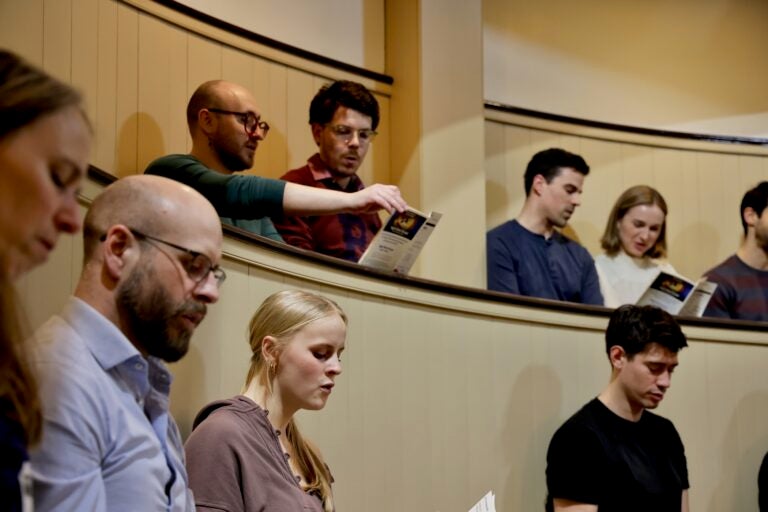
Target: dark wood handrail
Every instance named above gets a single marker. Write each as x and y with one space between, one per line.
273 43
705 137
105 178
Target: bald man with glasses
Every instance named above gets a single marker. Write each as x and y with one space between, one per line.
152 250
343 117
226 128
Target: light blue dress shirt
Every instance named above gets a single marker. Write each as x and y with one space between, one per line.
109 442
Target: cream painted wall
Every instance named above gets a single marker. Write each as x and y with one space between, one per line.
350 31
684 65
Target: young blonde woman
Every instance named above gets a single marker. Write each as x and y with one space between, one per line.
246 453
635 246
44 147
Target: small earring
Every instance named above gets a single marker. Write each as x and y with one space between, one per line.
272 365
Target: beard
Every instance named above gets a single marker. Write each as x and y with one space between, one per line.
230 156
150 315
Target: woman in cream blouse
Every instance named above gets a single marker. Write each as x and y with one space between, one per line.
635 246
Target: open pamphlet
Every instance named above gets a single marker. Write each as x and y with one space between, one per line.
486 504
397 244
677 295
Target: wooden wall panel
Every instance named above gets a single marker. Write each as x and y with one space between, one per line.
21 28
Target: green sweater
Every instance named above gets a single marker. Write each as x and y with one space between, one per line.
245 202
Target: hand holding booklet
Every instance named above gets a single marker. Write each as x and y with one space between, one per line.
677 295
397 244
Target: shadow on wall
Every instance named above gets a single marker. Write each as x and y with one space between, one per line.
705 239
743 448
139 141
525 485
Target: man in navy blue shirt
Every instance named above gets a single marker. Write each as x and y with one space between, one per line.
528 255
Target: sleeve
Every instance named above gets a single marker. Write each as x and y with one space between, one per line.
214 465
677 449
233 196
576 465
269 230
719 304
66 466
501 266
590 283
762 485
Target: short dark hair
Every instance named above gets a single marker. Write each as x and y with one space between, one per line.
343 93
757 199
549 163
634 327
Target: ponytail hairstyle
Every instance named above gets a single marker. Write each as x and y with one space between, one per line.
281 316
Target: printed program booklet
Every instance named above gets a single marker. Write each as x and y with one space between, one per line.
677 295
397 244
486 504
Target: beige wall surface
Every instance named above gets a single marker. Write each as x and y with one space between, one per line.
350 31
443 398
686 65
702 183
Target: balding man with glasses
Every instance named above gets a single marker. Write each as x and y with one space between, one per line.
343 117
226 129
152 249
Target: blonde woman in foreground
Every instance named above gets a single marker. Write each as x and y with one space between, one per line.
246 453
635 246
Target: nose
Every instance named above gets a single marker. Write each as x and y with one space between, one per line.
334 366
576 199
664 380
207 290
67 218
354 139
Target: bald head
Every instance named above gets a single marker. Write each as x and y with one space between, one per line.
216 94
152 205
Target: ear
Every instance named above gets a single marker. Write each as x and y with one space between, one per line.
120 251
269 350
206 121
750 216
538 184
617 356
317 130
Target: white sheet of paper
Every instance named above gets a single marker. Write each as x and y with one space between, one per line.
486 504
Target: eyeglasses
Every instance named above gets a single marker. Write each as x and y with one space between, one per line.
197 266
345 133
251 122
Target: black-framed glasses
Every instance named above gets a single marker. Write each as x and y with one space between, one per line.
250 121
197 266
345 133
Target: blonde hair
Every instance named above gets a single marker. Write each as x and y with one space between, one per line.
280 316
635 196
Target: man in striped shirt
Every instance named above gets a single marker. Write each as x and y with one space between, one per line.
742 279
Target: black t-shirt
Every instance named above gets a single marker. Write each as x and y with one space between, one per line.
762 485
599 458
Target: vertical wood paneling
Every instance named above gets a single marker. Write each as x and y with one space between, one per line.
126 92
21 28
300 88
57 38
204 61
85 51
105 115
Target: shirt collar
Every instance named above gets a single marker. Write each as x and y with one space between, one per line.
104 340
320 172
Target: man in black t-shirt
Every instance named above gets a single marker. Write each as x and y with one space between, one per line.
614 454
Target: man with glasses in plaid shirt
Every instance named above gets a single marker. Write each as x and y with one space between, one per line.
343 117
226 128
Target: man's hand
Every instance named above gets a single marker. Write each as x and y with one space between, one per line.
376 197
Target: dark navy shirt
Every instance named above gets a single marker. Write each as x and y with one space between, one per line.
525 263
